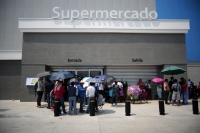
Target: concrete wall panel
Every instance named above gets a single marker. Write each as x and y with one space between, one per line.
37 10
27 93
118 48
10 80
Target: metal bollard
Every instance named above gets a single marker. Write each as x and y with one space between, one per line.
195 106
56 107
128 106
92 107
161 106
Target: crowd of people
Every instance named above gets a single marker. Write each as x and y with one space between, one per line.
171 92
75 92
174 90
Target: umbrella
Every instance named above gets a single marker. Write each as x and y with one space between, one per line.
86 84
61 75
85 78
94 80
118 83
73 80
172 70
102 77
109 80
158 80
43 74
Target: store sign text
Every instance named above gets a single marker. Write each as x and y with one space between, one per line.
74 60
137 60
104 14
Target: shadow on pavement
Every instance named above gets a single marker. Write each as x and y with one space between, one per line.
3 110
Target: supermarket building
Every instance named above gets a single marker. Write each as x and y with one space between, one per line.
128 39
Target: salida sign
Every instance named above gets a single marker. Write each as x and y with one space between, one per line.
104 14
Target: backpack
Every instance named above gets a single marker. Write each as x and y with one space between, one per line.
35 87
175 89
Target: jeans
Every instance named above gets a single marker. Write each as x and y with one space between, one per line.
48 99
115 98
62 104
81 103
39 98
159 94
72 100
88 107
185 98
166 94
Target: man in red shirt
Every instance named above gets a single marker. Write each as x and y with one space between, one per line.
59 91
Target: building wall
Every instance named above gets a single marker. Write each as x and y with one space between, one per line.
11 10
103 48
184 9
10 80
194 72
27 93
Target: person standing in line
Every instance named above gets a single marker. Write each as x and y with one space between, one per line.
59 92
176 92
159 91
140 84
148 86
81 92
115 93
198 90
166 91
40 89
170 88
48 88
72 93
90 93
184 89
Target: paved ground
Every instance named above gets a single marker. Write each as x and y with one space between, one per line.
17 117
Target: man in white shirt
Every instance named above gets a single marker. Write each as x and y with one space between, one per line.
90 93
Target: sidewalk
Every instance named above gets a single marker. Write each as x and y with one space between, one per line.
20 117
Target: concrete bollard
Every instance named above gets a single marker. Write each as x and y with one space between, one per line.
161 106
128 106
195 106
56 107
92 107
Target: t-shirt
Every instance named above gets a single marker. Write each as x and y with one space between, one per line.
159 88
176 85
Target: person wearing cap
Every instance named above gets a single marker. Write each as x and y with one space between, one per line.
76 86
81 92
59 92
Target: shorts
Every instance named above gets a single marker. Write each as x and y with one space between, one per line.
176 95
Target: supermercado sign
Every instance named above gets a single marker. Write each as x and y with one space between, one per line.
103 14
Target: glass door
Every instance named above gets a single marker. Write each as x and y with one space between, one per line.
94 72
83 73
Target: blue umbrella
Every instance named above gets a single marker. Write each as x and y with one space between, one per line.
61 75
102 77
94 80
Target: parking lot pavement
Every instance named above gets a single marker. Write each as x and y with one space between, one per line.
25 117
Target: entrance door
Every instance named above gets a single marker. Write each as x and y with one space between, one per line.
83 73
94 72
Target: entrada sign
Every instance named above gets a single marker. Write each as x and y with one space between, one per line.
104 14
74 60
137 60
